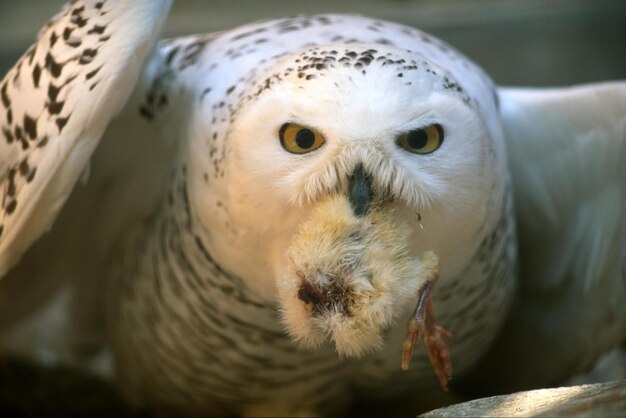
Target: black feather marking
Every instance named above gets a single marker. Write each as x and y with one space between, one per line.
54 67
53 39
24 168
146 113
61 122
171 55
11 183
67 32
77 11
97 29
91 74
43 142
30 126
87 56
10 208
53 92
31 175
77 19
5 96
8 135
17 132
54 108
36 75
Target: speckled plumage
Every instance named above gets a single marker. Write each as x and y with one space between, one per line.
188 219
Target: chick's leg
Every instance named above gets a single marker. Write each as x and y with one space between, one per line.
423 320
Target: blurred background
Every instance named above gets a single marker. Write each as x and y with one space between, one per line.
518 42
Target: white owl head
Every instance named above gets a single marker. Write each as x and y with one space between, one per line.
294 143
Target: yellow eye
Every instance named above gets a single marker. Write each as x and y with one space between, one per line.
423 140
299 139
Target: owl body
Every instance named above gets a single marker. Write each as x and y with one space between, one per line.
230 250
252 235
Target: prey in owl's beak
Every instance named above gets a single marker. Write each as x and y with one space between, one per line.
350 275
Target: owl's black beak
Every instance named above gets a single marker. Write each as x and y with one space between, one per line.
360 191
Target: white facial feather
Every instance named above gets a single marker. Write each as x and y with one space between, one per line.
361 121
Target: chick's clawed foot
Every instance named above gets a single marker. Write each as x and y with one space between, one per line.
423 321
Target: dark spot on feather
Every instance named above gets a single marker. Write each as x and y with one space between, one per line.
53 39
54 108
97 29
8 135
79 20
17 132
30 126
53 92
91 74
31 176
5 96
87 56
146 113
288 29
10 208
67 32
36 75
23 168
61 122
246 34
171 55
52 66
43 142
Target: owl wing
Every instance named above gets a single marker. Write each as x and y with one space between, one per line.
57 101
567 153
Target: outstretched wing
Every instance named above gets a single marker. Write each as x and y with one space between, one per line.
57 101
567 152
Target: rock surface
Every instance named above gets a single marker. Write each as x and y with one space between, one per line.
594 400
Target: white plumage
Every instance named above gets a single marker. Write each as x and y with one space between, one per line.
265 202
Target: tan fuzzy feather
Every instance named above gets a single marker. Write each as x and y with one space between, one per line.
360 273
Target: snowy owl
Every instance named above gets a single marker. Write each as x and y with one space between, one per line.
267 220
